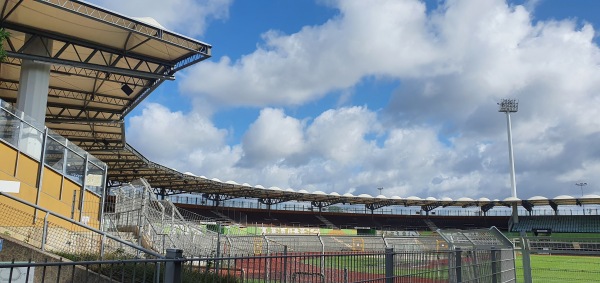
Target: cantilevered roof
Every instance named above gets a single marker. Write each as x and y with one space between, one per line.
128 164
103 64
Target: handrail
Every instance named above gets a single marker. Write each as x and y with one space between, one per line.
83 225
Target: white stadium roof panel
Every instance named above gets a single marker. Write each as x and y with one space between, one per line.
512 199
538 198
562 197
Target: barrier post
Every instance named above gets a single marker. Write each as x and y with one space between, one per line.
458 261
173 266
389 265
494 259
526 259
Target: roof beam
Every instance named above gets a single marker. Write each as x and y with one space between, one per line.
108 69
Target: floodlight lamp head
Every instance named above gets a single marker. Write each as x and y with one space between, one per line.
508 105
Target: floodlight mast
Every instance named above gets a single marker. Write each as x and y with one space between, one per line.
581 184
510 106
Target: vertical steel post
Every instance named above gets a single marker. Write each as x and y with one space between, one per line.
458 267
345 274
73 204
494 254
102 243
45 232
322 255
285 263
173 266
40 177
526 260
389 265
218 262
103 196
83 184
141 219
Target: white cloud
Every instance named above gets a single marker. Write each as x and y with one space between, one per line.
440 135
272 138
179 140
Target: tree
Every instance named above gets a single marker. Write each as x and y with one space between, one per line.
3 36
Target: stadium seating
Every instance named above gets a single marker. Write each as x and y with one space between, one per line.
559 223
286 218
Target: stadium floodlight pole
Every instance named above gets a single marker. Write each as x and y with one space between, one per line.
581 185
511 106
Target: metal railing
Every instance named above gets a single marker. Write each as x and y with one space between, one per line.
42 144
53 232
158 225
385 266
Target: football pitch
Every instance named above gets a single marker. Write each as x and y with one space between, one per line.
561 268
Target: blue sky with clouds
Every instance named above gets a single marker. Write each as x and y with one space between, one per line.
350 96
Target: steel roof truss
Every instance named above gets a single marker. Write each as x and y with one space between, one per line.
132 26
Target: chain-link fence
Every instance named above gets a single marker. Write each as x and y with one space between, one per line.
46 230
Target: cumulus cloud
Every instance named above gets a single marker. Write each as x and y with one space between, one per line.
271 138
189 17
440 135
181 141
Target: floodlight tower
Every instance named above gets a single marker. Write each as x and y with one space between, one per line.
581 185
511 106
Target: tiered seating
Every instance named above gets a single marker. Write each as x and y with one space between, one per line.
248 216
465 223
559 223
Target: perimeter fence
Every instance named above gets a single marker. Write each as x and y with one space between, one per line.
482 265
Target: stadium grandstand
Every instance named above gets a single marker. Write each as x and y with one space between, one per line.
90 67
73 71
71 184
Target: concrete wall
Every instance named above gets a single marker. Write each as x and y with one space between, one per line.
20 252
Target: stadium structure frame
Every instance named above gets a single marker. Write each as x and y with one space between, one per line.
103 64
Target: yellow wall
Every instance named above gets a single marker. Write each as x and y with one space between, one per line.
27 170
8 156
56 192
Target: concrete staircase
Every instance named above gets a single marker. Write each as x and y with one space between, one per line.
326 222
431 225
222 218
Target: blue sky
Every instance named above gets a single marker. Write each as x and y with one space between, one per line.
349 96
